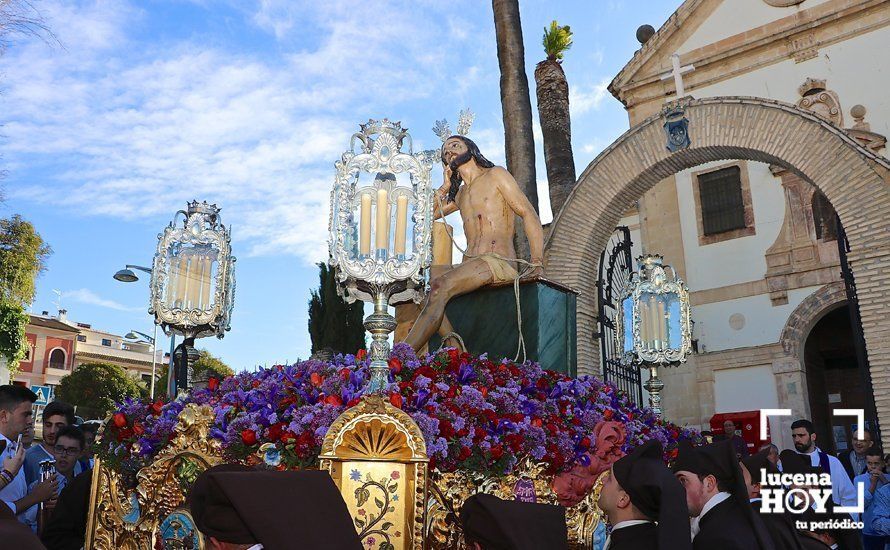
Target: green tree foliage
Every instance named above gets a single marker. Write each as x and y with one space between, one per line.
13 342
23 256
95 388
334 324
206 362
557 39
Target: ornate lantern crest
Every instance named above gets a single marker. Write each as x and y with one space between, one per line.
193 279
654 321
381 215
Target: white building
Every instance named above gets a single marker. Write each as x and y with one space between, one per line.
756 243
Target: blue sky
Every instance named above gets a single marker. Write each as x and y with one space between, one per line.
144 106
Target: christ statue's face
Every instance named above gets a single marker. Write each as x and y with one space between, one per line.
453 149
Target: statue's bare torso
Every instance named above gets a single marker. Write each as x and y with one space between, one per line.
487 218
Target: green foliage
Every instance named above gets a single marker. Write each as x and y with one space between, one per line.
95 388
23 257
206 362
13 343
557 39
334 324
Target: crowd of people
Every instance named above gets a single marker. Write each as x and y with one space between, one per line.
710 497
44 487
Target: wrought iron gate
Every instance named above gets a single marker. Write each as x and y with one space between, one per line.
616 265
843 246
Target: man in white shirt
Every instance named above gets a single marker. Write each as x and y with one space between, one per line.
843 492
639 491
15 417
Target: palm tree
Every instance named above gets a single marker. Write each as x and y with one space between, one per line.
516 106
553 110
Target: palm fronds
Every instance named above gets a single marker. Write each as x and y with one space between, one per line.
557 39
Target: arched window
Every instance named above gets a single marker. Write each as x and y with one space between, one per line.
824 217
57 359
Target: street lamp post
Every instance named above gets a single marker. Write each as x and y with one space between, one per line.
384 188
193 282
127 275
654 322
134 334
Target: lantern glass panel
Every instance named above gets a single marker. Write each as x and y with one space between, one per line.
627 316
674 329
381 224
192 271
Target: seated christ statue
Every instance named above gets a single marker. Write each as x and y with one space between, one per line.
488 199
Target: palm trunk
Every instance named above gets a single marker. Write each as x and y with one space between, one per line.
556 126
516 106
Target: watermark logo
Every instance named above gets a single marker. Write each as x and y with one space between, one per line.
800 493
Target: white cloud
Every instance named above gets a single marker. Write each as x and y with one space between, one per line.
583 99
134 130
87 296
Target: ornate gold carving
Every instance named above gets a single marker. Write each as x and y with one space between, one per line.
122 519
448 491
377 457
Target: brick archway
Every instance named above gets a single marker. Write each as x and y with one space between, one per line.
855 180
808 313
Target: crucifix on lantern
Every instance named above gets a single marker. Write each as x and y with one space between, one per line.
192 284
654 322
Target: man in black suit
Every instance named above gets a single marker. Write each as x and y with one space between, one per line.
718 499
781 526
639 492
855 461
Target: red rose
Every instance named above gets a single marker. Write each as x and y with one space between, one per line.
630 416
585 442
333 400
212 383
156 407
537 422
360 355
396 400
446 430
353 402
453 355
497 451
248 437
344 374
119 419
288 437
275 431
395 365
255 384
607 414
465 453
124 433
484 391
316 379
138 429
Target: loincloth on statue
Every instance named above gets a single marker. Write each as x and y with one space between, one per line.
501 270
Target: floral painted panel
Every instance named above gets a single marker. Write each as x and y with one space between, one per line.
375 494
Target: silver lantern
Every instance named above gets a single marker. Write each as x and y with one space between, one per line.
654 322
193 282
380 229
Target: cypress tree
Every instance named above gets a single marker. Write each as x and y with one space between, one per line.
334 324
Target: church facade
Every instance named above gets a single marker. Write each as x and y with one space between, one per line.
778 94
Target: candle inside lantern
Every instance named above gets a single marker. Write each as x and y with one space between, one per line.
645 329
180 268
365 238
653 321
206 269
382 229
662 332
442 249
401 224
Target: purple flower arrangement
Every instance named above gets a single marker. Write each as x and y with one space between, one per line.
475 414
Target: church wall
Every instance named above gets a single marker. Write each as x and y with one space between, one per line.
734 16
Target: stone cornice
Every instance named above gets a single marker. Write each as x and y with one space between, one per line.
797 36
